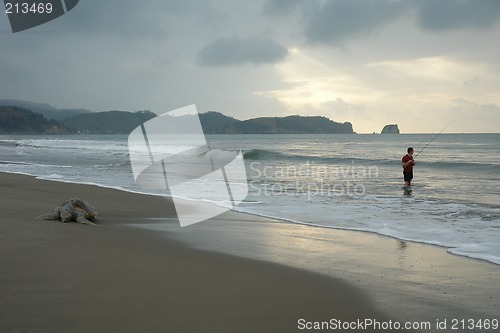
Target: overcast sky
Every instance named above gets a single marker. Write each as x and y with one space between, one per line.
420 64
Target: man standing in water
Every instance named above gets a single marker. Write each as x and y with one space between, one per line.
408 164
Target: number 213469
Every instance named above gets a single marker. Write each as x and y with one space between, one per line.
26 8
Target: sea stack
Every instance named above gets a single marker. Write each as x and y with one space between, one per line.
390 129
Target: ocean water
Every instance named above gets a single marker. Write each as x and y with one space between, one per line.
330 181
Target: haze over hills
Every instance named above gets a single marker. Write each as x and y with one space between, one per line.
47 110
123 122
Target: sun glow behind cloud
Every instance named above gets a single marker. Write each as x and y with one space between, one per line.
408 92
313 82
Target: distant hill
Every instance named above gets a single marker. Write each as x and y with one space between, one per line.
48 111
123 122
216 123
291 125
109 122
18 120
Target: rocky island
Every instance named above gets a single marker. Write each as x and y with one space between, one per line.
390 129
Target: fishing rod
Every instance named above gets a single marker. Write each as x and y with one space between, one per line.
428 143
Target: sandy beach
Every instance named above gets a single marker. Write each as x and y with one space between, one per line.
138 271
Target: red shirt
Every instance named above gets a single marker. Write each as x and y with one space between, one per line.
409 167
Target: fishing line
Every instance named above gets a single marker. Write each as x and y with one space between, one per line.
428 143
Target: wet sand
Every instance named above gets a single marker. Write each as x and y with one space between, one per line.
235 273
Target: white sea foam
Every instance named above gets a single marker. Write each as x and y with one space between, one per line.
449 225
452 203
54 176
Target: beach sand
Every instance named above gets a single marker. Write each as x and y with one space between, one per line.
138 271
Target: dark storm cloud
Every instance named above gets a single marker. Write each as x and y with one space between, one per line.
280 7
454 14
236 51
114 17
335 21
132 19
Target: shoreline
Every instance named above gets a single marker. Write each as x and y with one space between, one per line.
384 278
284 220
259 216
